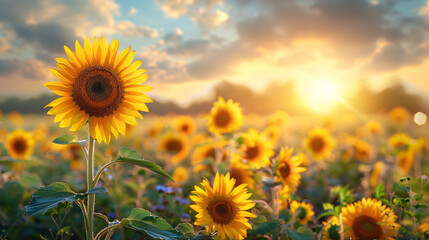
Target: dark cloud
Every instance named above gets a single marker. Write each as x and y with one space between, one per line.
28 69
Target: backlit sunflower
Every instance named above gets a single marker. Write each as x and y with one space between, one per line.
20 144
272 134
185 125
369 219
256 150
374 127
242 173
400 140
278 119
302 211
225 117
289 169
223 208
98 86
377 173
176 146
180 175
208 152
319 143
332 229
362 150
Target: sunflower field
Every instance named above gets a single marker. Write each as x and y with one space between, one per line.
90 170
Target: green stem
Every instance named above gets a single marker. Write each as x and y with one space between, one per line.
105 230
89 182
82 207
98 175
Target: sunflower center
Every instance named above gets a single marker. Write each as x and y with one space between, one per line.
185 128
221 210
284 170
98 91
223 118
252 152
174 146
20 145
366 228
301 213
317 144
238 176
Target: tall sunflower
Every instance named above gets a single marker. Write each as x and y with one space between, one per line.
289 169
223 208
370 219
256 150
302 211
98 86
224 117
20 144
176 146
319 143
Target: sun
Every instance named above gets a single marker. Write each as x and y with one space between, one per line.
320 96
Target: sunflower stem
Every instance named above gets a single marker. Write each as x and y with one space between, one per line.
89 182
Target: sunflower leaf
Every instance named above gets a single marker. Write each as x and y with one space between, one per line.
127 155
154 226
66 139
47 198
302 233
187 229
97 190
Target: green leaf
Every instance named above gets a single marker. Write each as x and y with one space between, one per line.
97 190
418 197
379 191
330 212
421 205
187 229
328 206
49 197
130 156
409 213
11 196
154 226
42 237
302 233
265 228
66 139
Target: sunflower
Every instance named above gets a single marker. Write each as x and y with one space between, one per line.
224 117
319 143
223 208
399 115
362 150
272 134
377 173
289 169
405 161
185 125
100 87
374 127
154 130
256 150
20 144
242 173
370 219
180 175
176 146
278 119
400 140
423 228
302 211
208 151
332 229
15 118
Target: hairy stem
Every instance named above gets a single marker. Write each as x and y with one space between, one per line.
89 182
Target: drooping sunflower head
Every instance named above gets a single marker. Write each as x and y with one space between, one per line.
399 115
289 169
185 125
302 211
224 117
176 146
223 208
332 229
20 144
368 219
319 143
98 86
256 150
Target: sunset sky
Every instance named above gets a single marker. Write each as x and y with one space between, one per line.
188 46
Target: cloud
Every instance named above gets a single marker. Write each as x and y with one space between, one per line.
208 20
129 29
175 8
31 69
4 45
133 11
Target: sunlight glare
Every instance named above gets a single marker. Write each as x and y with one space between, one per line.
318 95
